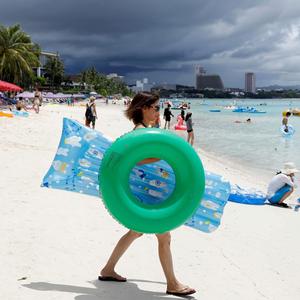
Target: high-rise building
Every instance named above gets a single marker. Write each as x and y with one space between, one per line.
250 82
204 81
142 86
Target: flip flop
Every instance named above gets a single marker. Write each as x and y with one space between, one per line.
184 292
110 278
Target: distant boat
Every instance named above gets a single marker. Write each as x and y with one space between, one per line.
251 110
214 110
230 107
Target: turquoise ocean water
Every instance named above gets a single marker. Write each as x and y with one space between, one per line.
258 145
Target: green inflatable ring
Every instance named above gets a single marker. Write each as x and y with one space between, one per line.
124 154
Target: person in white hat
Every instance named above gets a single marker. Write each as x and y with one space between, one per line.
282 185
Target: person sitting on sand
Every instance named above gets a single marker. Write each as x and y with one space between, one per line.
143 110
20 104
285 121
282 185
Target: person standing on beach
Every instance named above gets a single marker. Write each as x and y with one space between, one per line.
91 113
167 116
189 128
282 185
285 121
37 101
143 110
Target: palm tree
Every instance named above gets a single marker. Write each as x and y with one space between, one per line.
18 54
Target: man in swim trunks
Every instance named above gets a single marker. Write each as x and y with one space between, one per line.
282 185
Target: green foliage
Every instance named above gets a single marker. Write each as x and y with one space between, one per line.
18 55
54 71
101 84
40 81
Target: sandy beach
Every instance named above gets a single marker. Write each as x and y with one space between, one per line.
53 243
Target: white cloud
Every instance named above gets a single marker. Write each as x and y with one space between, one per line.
73 141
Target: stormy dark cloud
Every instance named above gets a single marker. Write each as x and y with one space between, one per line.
164 39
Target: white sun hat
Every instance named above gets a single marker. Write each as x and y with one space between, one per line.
289 168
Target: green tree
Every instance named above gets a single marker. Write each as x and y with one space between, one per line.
101 84
18 54
54 71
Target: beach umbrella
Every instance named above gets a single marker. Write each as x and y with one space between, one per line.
61 95
78 96
26 95
7 87
48 95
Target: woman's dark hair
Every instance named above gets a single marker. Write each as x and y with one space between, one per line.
134 111
188 115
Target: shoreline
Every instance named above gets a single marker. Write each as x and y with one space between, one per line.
54 242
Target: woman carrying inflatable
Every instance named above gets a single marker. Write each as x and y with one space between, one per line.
143 110
282 185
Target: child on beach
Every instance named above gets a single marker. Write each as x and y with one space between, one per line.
143 110
282 185
189 128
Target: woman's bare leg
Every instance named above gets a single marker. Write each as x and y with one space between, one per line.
192 138
122 245
165 256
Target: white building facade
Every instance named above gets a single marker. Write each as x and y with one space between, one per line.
142 86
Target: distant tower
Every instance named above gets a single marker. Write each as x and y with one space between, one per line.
250 82
204 81
200 70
